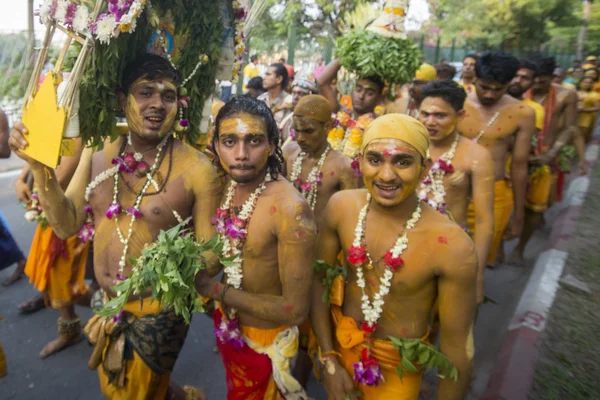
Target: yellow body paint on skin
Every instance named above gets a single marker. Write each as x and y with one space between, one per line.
242 124
133 115
470 344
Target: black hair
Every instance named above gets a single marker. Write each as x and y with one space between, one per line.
376 80
546 66
255 83
530 65
243 104
445 71
472 55
496 67
254 58
447 90
281 70
151 67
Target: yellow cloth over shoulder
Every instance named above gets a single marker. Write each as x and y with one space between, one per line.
399 127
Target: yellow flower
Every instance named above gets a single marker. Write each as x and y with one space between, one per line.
336 133
356 136
125 28
379 110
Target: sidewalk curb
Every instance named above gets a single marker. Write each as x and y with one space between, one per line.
513 373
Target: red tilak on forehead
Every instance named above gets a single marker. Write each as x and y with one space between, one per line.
388 152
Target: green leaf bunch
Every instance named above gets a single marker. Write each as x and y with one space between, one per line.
331 273
566 156
416 351
369 54
167 268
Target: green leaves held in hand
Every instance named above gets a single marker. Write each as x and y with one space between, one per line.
567 154
370 54
331 273
416 351
167 268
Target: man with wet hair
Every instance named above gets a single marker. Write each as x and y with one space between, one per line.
264 293
505 126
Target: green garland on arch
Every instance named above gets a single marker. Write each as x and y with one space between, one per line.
197 20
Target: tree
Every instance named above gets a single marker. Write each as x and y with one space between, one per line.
587 11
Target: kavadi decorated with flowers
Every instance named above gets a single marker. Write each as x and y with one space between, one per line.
205 41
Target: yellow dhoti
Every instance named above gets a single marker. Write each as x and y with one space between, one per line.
57 267
539 189
135 356
350 341
503 207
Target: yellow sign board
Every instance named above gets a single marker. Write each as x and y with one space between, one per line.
45 123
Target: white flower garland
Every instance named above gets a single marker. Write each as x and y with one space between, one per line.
434 184
233 247
313 176
372 311
490 123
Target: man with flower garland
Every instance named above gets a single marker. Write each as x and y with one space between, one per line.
269 233
317 171
346 135
462 169
505 126
402 256
131 190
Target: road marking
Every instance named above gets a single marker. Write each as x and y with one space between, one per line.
537 299
10 174
591 154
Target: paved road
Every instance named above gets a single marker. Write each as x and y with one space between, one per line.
66 376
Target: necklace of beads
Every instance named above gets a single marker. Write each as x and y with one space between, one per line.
310 187
434 183
490 123
392 259
233 231
134 211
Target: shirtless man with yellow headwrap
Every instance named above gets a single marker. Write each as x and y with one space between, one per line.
503 125
318 172
136 352
402 256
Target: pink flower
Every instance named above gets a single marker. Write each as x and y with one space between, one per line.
306 186
234 229
367 371
134 212
184 123
71 9
113 210
427 181
229 332
318 178
444 166
351 124
120 277
119 315
393 262
88 209
86 233
35 196
293 134
357 255
221 213
356 166
298 183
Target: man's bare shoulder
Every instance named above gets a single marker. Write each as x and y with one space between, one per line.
476 152
340 161
290 205
344 203
564 94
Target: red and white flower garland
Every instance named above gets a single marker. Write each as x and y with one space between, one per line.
310 187
367 371
433 185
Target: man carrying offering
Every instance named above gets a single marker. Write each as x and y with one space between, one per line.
127 193
462 169
269 233
500 123
402 256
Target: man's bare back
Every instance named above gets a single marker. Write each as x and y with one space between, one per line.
337 174
432 243
498 137
564 99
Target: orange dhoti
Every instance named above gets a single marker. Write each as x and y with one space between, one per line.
260 369
503 207
136 354
350 341
539 189
2 363
57 267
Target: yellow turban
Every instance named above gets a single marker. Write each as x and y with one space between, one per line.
426 72
400 127
314 107
591 58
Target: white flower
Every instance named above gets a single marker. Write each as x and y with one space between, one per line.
61 11
105 29
81 21
45 11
